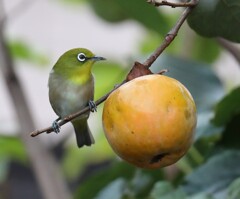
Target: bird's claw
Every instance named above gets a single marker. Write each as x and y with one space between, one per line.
92 106
56 127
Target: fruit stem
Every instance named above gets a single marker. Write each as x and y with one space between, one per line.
195 155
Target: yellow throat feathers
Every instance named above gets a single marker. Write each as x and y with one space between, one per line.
79 75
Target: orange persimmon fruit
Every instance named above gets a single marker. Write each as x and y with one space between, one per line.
150 121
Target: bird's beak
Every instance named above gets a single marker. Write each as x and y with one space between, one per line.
97 58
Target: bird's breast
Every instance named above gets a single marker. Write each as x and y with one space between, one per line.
67 97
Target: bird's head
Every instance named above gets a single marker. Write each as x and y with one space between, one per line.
76 64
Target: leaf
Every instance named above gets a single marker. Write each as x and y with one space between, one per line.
201 196
215 175
233 190
21 50
75 160
94 184
107 75
227 108
139 10
206 129
114 190
142 182
205 49
231 134
12 147
217 18
164 190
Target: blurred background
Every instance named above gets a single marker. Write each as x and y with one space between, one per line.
35 33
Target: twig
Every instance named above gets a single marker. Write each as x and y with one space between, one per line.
173 5
137 70
230 48
169 37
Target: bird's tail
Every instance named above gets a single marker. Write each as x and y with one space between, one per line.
83 133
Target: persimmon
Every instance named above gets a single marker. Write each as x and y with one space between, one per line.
150 121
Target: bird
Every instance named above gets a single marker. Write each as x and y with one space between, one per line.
71 88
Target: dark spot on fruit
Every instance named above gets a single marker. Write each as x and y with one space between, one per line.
132 132
158 158
187 114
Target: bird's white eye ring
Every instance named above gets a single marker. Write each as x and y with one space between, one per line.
81 57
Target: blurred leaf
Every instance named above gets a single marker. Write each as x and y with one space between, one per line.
164 190
150 41
227 108
107 75
21 50
231 134
206 129
139 184
215 175
200 196
114 190
12 147
139 10
202 49
217 18
233 190
75 160
205 49
142 182
94 184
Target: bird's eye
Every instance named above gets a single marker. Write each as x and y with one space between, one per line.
81 57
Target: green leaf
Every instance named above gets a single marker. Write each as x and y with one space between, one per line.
114 190
164 190
201 196
227 108
142 182
205 49
75 160
233 190
12 148
217 18
231 134
94 184
21 50
107 75
139 10
215 175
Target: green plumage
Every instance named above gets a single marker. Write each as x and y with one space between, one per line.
71 87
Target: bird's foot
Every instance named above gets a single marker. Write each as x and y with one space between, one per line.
56 127
92 106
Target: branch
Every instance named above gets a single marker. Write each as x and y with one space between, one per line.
170 36
230 47
137 70
173 5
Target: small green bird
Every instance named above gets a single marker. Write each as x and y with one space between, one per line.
71 88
